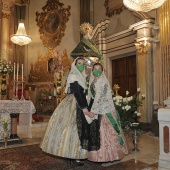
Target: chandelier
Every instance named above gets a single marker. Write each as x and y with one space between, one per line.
143 5
21 37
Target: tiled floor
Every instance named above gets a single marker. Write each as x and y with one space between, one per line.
145 159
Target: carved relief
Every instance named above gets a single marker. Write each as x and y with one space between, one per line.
113 7
52 22
6 15
22 2
50 67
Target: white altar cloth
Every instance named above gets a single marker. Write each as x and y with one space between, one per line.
25 108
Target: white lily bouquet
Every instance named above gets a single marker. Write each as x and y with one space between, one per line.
127 107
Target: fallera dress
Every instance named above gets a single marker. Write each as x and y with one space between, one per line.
113 144
68 134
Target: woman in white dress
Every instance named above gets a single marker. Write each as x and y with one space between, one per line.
67 133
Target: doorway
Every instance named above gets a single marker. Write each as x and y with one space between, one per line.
124 74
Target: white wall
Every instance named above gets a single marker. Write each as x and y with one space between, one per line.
118 22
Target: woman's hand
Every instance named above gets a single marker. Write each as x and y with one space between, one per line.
91 114
85 111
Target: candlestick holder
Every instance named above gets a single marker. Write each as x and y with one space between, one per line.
16 97
22 95
136 133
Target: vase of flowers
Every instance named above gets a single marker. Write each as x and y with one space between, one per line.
5 121
127 107
5 68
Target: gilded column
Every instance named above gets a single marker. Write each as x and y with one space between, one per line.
5 24
165 51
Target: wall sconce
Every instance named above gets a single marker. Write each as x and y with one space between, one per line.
141 47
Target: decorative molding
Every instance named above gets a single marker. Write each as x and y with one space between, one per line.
22 2
52 22
113 7
100 28
6 15
6 5
146 23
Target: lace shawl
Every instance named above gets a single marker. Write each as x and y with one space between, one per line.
103 102
75 75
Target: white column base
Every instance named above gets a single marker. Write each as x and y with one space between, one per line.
164 162
164 120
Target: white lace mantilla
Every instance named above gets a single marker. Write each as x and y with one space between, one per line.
26 108
103 102
75 75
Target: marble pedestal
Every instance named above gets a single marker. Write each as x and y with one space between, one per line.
164 138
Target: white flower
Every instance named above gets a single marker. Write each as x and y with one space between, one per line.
123 108
143 96
129 98
117 103
5 119
138 114
127 107
127 93
135 112
138 90
124 99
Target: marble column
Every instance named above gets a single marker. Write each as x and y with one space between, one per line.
5 24
145 66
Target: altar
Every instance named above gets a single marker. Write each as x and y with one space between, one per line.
14 108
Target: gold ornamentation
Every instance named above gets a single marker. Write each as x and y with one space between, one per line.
6 15
116 89
141 47
39 70
22 2
86 29
52 22
113 7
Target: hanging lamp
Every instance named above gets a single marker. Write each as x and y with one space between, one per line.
143 5
21 38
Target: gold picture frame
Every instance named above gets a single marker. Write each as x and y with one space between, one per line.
52 23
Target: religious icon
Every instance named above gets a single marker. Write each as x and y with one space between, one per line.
52 23
51 65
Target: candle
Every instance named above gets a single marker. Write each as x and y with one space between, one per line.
14 72
22 73
17 70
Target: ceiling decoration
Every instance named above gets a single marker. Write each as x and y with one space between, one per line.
52 22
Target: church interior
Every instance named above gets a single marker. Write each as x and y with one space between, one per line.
39 40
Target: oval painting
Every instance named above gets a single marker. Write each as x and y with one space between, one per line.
51 23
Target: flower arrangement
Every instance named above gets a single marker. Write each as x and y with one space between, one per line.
4 121
5 67
127 107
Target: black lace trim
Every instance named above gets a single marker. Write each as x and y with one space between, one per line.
89 134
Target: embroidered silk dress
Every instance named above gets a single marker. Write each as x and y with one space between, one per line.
67 133
112 141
